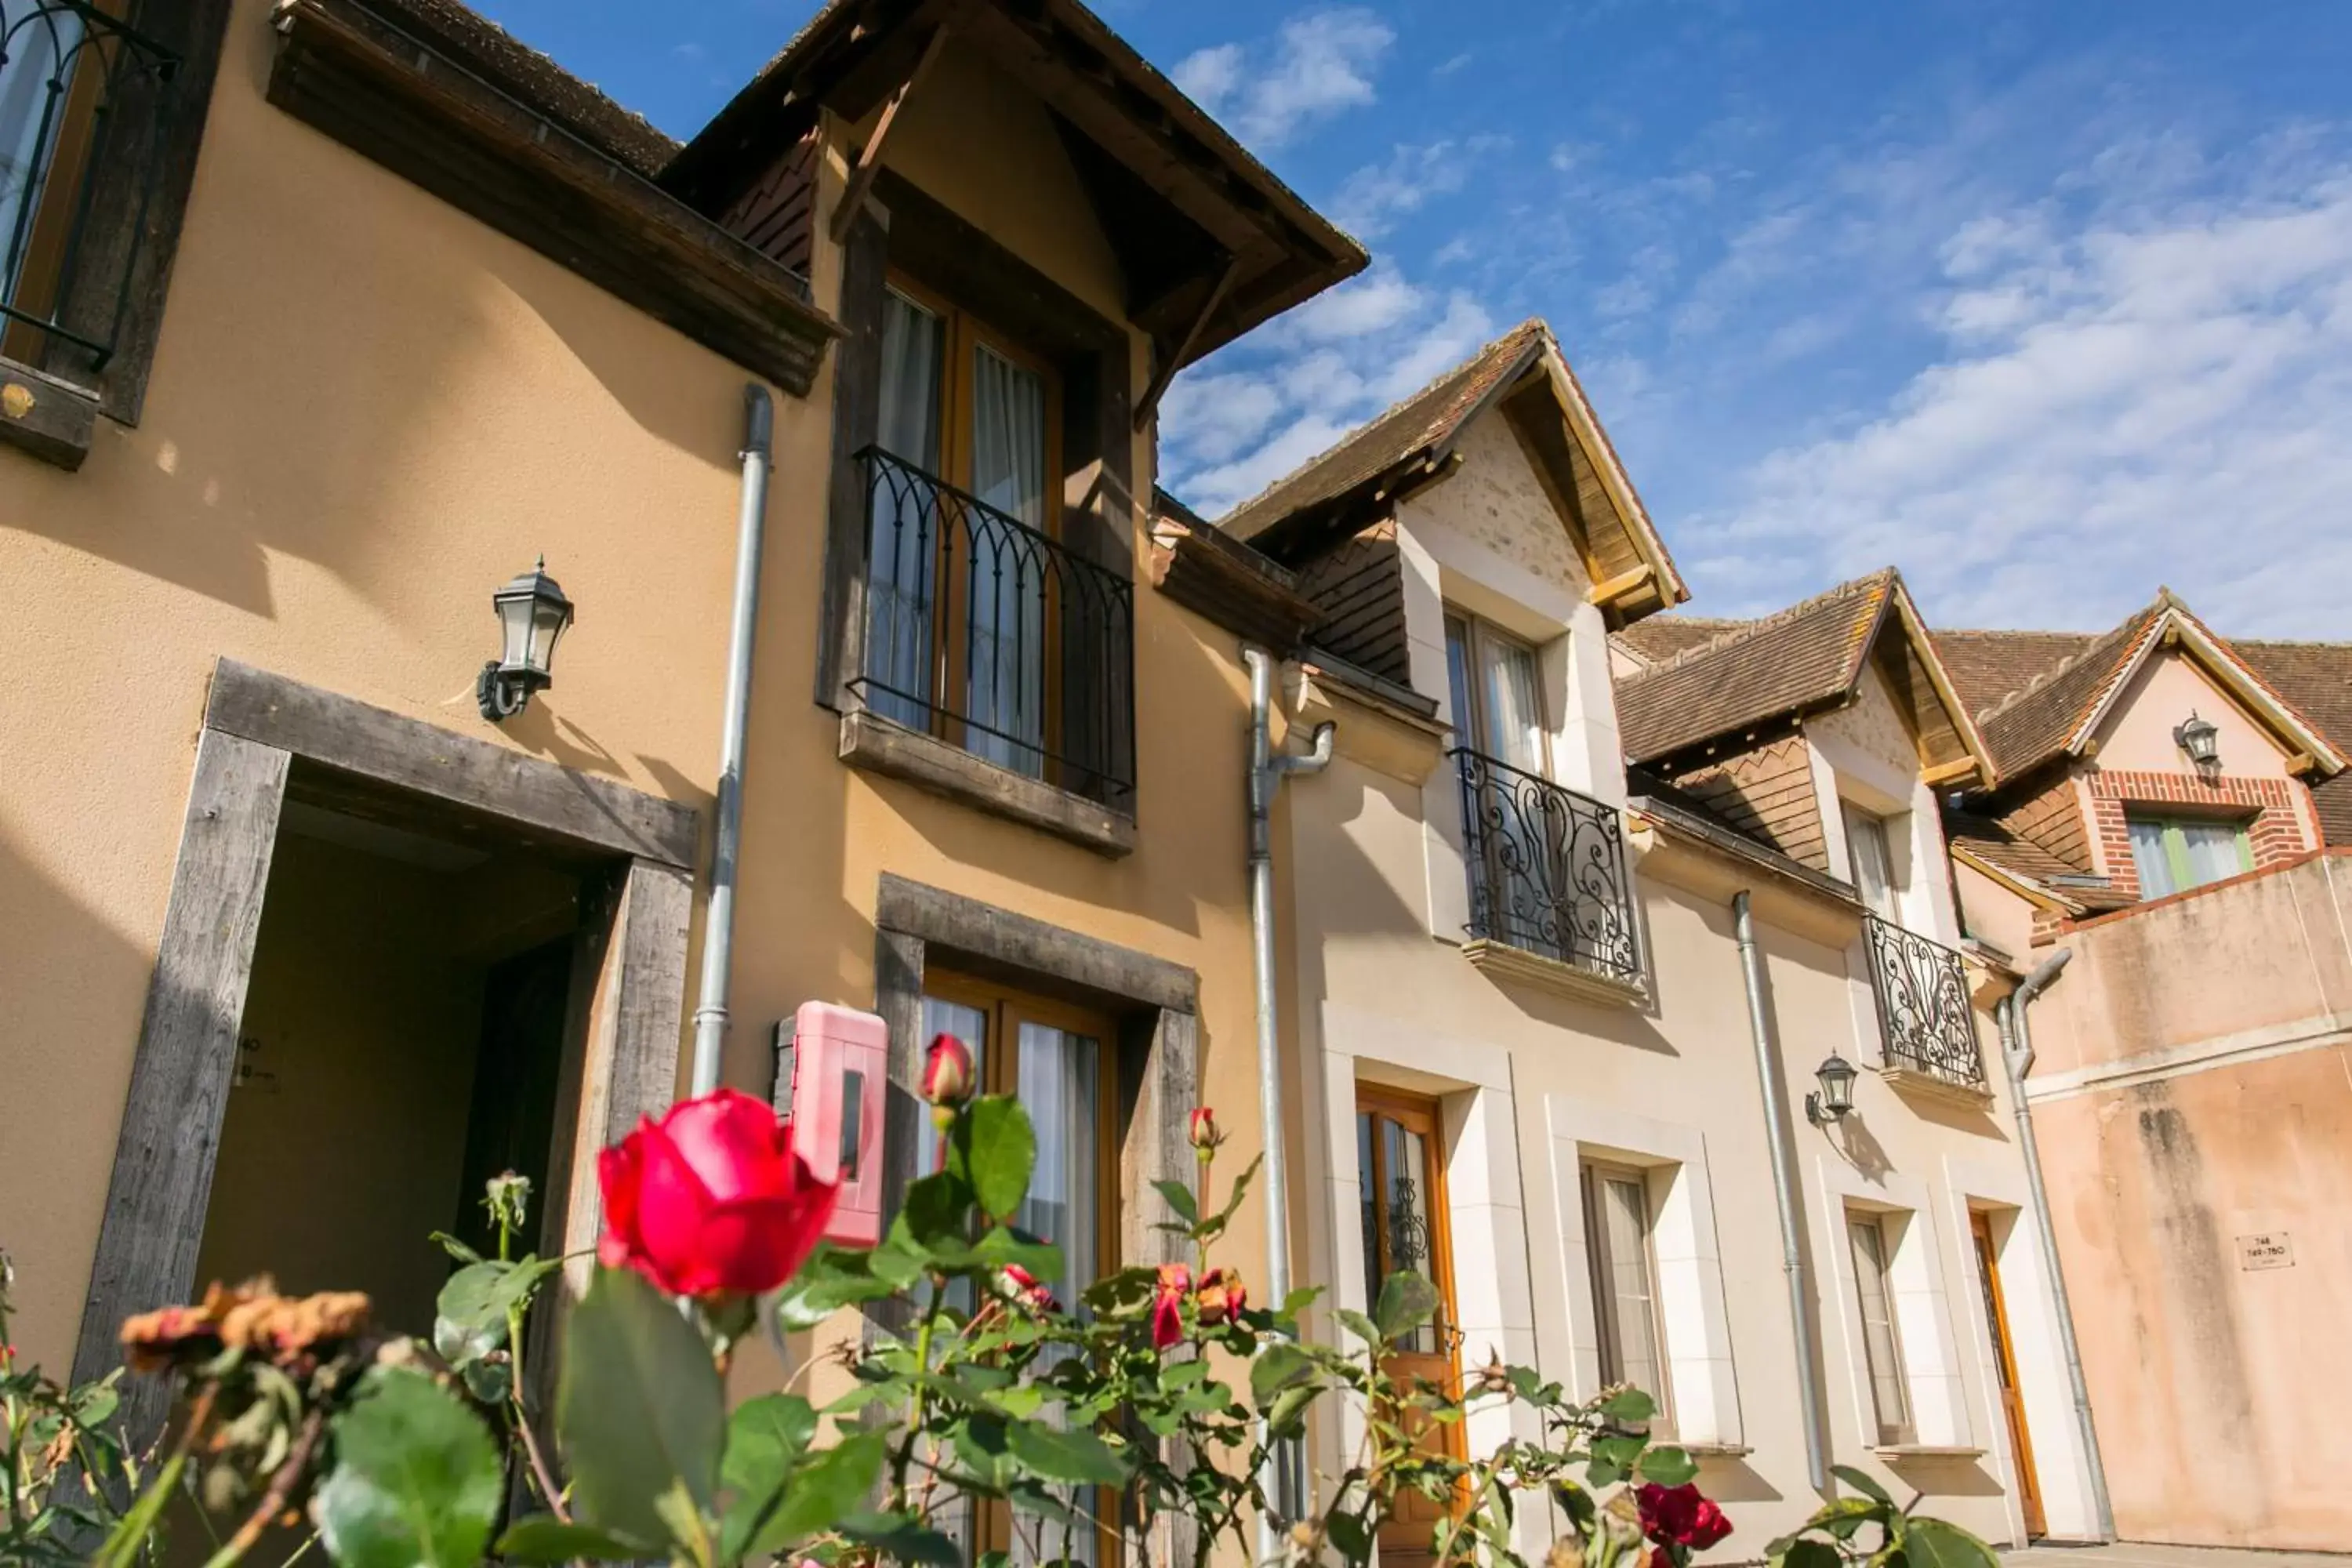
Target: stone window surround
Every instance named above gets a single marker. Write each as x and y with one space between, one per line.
1694 1317
1918 1271
1494 1298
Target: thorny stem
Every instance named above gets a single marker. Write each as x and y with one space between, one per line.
917 1410
273 1501
539 1470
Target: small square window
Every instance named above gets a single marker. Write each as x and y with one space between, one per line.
2174 854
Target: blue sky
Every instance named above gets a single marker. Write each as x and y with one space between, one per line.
2046 303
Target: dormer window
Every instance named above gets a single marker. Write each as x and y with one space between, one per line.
1497 692
1874 861
2174 854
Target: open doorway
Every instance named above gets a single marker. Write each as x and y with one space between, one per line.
402 1041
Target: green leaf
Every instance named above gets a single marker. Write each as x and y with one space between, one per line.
639 1407
1006 1245
1803 1553
1358 1324
1065 1455
543 1538
765 1438
900 1538
828 1281
416 1482
1862 1483
831 1483
1933 1543
1003 1150
938 1209
1631 1406
471 1310
1180 1198
1279 1366
1288 1419
1669 1466
1407 1301
128 1545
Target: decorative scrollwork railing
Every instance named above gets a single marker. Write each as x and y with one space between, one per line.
82 101
1547 870
1926 1020
995 637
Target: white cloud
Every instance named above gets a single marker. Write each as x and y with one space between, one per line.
1321 64
1370 303
2159 394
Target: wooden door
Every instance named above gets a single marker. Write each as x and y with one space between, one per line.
1402 1168
2012 1403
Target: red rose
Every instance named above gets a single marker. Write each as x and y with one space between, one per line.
1679 1516
1206 1135
1166 1304
1027 1289
710 1200
947 1072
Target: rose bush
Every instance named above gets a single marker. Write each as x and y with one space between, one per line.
981 1413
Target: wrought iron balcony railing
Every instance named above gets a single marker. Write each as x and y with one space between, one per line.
995 637
82 100
1547 870
1926 1020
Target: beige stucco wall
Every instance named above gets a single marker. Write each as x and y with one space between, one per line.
367 412
2137 734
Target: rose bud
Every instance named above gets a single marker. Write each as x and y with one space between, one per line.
1495 1377
710 1201
947 1076
1166 1304
1206 1136
1020 1285
1222 1297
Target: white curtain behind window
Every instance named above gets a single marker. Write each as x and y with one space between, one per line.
38 50
2214 850
1007 678
2148 858
1874 866
1059 1087
903 526
1514 704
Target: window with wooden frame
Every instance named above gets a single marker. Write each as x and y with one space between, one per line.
1061 1061
965 579
1870 849
1621 1258
1497 687
1872 1252
2173 853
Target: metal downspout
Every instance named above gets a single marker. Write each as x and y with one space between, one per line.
718 926
1266 772
1792 1252
2017 1056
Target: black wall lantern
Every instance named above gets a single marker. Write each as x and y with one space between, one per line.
1836 1095
532 613
2201 739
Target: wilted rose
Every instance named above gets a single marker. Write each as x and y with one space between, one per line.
1222 1297
710 1201
1205 1136
1166 1304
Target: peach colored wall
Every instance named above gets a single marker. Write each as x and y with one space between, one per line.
2194 1088
367 412
2137 734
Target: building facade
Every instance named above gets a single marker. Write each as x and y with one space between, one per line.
2170 813
302 944
1525 1058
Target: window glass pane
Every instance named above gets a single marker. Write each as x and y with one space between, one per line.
2150 860
1874 868
1057 1086
1625 1214
1605 1300
1880 1348
1007 634
902 522
2214 850
1514 704
1406 1161
1368 1183
37 56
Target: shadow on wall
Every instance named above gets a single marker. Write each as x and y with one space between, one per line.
75 1069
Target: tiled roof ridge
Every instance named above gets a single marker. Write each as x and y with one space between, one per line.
1741 631
2339 644
2099 641
1363 431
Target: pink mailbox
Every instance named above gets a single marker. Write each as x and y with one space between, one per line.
835 1065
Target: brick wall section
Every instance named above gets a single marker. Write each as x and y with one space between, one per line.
2051 816
2272 810
1768 793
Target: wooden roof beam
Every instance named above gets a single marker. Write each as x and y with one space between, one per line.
869 157
1173 361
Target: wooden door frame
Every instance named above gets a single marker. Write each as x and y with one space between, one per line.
263 735
2030 1502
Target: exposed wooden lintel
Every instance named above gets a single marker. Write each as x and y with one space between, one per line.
1948 772
869 158
1617 587
1165 372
